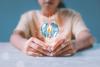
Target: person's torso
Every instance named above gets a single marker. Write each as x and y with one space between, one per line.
50 29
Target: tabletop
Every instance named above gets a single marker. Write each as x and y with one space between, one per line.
12 57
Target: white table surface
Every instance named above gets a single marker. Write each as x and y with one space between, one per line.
11 57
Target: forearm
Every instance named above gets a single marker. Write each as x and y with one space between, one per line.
18 41
83 42
80 45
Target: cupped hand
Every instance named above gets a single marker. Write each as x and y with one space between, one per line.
35 47
63 48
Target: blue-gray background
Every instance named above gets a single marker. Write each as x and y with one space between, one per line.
11 10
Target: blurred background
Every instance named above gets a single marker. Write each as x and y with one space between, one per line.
11 10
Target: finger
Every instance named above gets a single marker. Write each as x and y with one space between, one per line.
62 46
30 50
39 42
39 48
62 50
69 52
58 44
31 53
59 49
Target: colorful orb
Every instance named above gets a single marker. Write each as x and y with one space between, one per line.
49 30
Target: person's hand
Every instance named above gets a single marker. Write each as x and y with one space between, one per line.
35 47
63 48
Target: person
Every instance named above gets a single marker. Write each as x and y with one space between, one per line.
51 31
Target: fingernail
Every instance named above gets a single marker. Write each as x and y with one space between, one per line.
44 48
48 54
40 55
67 55
52 48
63 45
51 54
49 49
29 53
